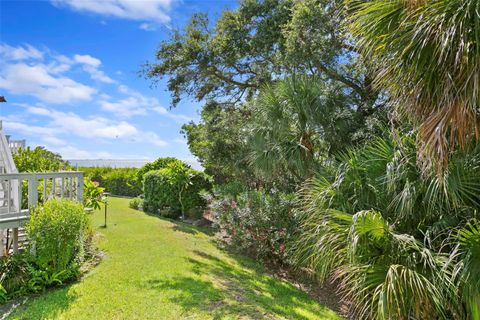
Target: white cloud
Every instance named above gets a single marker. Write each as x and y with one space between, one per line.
147 10
91 65
160 110
138 104
134 104
94 127
147 27
29 129
182 141
70 152
24 71
41 82
87 59
54 140
20 53
61 123
96 74
124 108
152 138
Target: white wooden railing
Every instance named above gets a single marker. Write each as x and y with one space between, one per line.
7 165
15 145
36 188
39 187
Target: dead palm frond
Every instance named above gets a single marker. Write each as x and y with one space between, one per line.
427 54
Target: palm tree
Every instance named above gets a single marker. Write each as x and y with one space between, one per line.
427 55
384 231
466 266
296 123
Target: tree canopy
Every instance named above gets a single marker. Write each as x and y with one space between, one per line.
257 44
39 159
255 48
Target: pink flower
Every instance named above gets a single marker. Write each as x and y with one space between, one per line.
282 248
95 183
233 204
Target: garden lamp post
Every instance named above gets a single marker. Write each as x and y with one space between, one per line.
105 202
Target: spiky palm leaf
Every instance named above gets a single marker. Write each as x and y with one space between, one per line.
427 54
388 249
292 126
468 266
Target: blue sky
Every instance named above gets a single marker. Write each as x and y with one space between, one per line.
69 71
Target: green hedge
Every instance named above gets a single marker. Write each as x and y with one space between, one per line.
158 164
167 189
117 181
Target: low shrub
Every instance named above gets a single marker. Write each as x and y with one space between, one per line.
57 232
175 189
14 276
257 223
92 194
136 203
117 181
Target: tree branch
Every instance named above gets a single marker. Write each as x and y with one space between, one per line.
336 76
216 73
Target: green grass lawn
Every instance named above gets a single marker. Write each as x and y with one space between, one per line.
157 269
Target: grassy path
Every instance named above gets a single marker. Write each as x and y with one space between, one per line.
156 269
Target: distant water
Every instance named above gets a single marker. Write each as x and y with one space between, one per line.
114 163
120 163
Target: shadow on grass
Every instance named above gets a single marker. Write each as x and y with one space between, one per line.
236 288
183 226
190 229
44 306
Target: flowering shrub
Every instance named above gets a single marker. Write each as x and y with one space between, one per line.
257 223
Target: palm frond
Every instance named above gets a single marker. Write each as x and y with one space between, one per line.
428 57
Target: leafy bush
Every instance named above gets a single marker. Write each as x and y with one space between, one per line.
117 181
39 159
258 223
231 189
122 182
92 194
174 190
57 232
136 203
95 173
14 276
158 164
